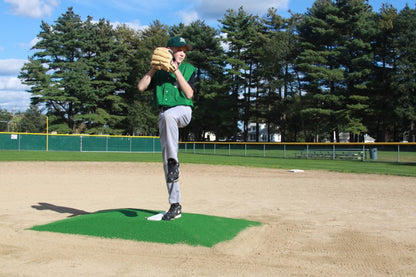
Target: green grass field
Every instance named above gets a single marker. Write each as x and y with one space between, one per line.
350 166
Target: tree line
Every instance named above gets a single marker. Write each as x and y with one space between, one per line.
338 68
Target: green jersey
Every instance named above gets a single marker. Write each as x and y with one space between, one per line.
166 88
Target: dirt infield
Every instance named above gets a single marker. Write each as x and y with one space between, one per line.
314 223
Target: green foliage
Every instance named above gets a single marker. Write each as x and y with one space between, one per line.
340 67
142 116
60 129
5 118
31 121
336 62
78 71
405 77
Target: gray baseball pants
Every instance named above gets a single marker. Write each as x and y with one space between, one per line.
170 121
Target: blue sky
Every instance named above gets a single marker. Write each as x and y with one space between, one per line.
21 19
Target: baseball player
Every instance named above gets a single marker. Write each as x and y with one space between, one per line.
172 81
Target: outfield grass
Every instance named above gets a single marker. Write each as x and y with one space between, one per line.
388 168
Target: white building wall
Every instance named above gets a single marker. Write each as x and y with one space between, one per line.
263 134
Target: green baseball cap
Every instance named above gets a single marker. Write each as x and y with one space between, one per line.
178 42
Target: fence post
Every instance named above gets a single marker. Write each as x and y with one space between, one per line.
363 152
333 152
131 140
284 151
47 134
80 143
106 144
398 153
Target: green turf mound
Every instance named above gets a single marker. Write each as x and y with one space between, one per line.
131 224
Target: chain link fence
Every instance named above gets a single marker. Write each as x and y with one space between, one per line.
384 152
79 143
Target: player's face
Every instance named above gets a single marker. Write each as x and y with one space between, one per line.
179 53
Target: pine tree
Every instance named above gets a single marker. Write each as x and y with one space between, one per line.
380 121
405 75
79 72
357 29
240 33
54 73
279 74
106 61
321 70
336 62
5 118
33 121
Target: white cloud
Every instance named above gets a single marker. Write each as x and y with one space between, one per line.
34 41
14 100
11 83
188 17
10 67
135 25
13 95
32 8
214 9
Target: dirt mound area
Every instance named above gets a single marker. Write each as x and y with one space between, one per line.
315 223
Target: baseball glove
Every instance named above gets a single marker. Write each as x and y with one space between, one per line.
163 59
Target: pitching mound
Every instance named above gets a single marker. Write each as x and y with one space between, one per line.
313 223
131 224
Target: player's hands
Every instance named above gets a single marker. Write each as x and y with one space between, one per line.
163 59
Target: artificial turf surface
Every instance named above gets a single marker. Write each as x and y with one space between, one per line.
131 224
